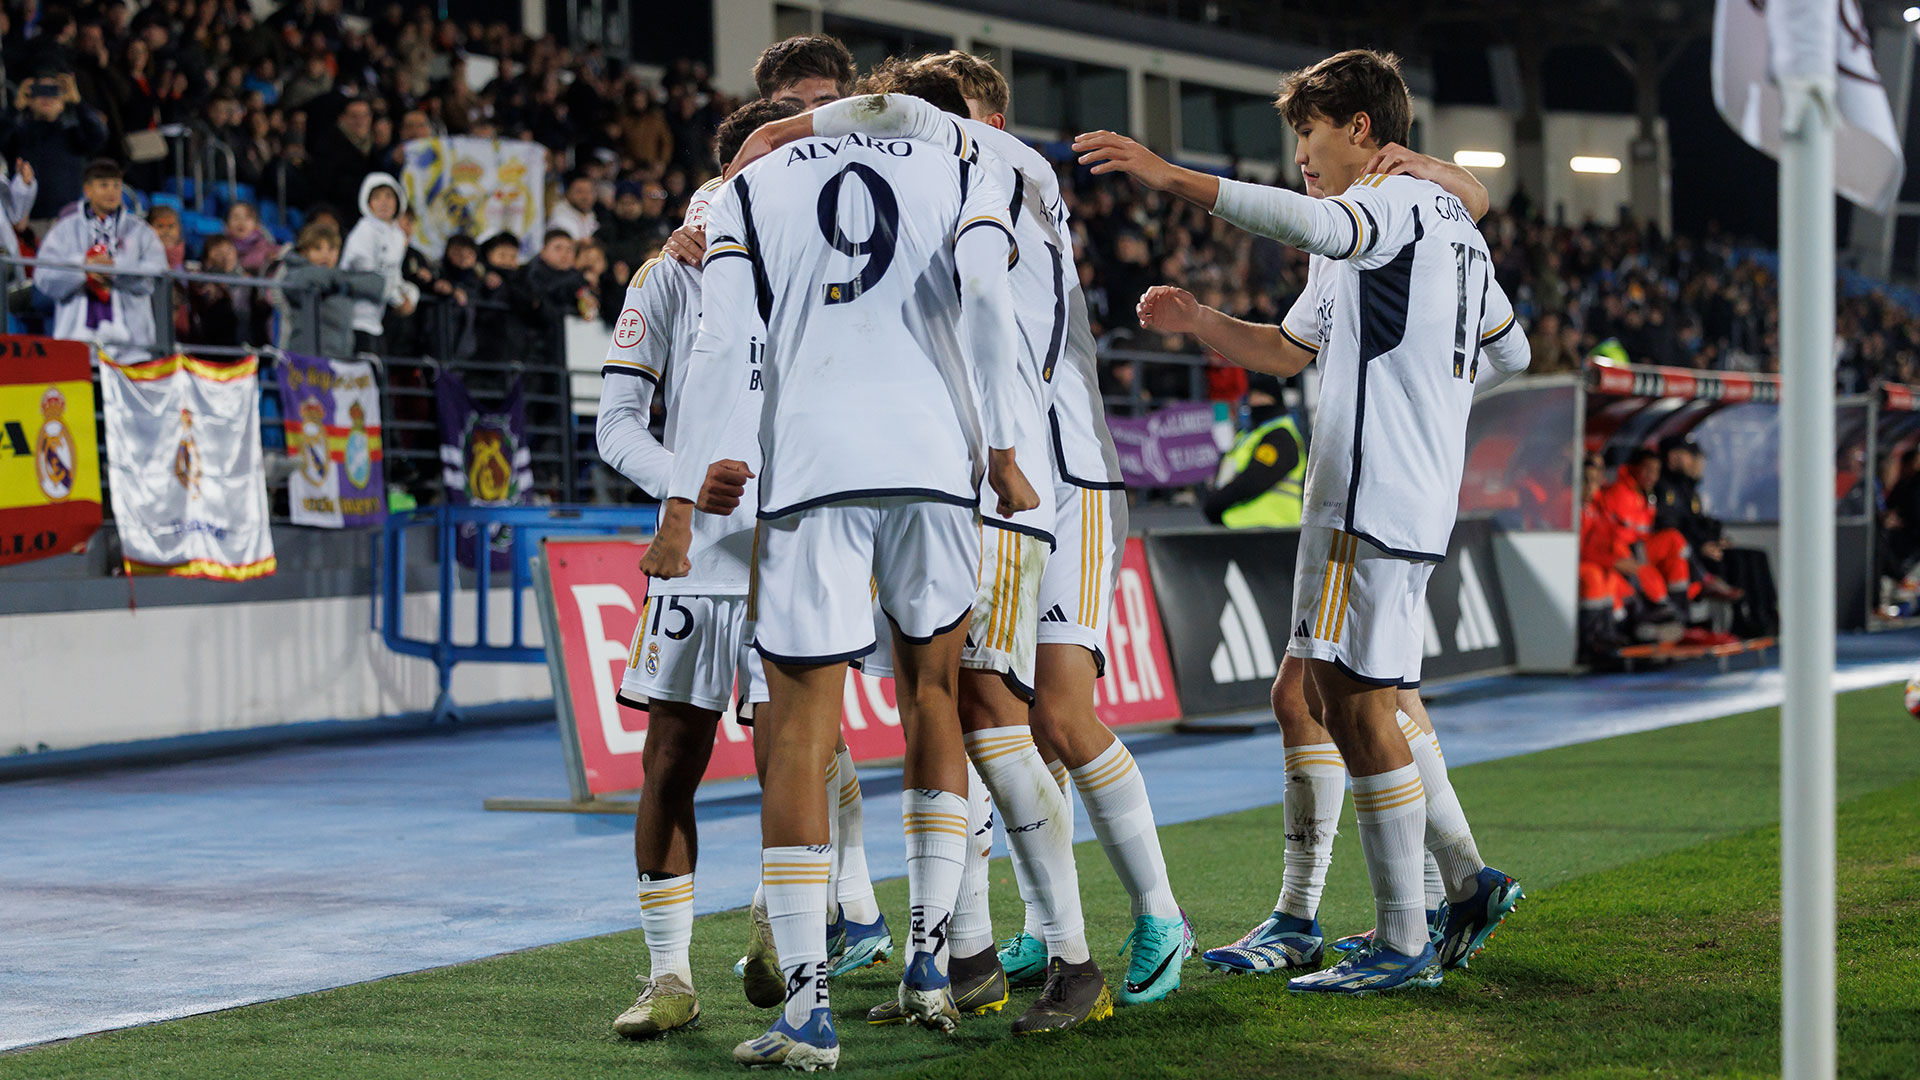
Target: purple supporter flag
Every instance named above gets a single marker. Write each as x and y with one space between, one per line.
1171 447
331 409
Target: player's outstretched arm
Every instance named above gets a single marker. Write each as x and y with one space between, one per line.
1254 346
899 116
1109 152
1394 159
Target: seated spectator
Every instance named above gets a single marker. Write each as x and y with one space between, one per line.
344 155
51 129
317 300
574 216
214 313
115 311
16 205
1629 570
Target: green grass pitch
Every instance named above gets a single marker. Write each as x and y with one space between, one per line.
1649 944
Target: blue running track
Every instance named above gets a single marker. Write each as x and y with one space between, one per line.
141 895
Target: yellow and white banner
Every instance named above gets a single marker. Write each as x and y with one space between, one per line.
467 184
184 467
49 465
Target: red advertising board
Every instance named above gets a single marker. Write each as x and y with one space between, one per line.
591 595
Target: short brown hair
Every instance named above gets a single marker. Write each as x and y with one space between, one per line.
315 235
744 121
979 80
1347 84
804 56
929 82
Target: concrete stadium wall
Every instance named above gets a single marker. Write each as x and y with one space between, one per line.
82 678
1576 196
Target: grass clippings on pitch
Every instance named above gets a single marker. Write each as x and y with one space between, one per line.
1649 944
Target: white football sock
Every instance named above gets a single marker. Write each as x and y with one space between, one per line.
972 921
852 886
1116 798
1033 813
1316 785
795 882
936 827
1392 810
1035 924
1449 837
833 839
666 920
1436 889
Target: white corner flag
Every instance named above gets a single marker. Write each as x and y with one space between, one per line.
1747 60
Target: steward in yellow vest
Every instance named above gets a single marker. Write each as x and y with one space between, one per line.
1262 477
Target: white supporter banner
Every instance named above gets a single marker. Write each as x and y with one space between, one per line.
184 467
1747 59
466 184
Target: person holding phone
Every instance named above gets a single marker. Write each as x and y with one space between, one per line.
54 132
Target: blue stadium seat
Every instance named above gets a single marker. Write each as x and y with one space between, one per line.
197 224
167 198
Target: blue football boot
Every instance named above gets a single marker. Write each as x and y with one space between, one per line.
811 1046
1472 921
866 944
1375 969
1282 943
1436 923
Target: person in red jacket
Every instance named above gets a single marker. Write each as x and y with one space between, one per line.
1621 553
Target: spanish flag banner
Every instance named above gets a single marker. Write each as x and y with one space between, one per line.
185 473
49 459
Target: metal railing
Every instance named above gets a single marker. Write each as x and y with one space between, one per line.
408 402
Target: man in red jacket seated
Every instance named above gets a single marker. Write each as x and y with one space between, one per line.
1621 552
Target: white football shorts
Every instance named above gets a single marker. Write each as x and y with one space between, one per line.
1076 591
1006 611
695 650
1358 608
819 571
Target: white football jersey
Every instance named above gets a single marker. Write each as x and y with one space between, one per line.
842 298
652 341
1048 301
1402 324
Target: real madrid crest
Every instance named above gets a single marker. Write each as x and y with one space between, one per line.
653 658
53 452
359 447
313 441
186 457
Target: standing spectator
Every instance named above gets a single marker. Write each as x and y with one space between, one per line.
574 216
254 245
494 325
166 225
548 290
629 236
317 299
378 243
344 155
16 204
644 135
52 129
115 311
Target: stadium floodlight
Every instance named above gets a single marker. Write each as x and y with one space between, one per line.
1479 159
1606 166
1912 14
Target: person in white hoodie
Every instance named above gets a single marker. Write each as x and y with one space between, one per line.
114 312
378 243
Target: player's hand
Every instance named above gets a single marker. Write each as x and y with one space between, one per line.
666 555
23 169
725 486
1394 160
769 137
688 244
1170 310
1009 483
1108 152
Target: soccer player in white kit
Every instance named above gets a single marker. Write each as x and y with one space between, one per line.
1411 290
856 279
690 651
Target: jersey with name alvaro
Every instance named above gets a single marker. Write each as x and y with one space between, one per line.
652 341
868 392
1402 345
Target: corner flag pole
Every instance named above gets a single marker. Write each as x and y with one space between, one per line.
1807 489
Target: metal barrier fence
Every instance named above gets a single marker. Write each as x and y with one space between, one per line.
522 528
406 382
